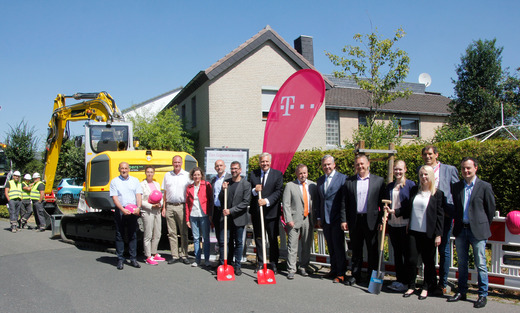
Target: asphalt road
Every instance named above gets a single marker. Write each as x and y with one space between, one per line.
39 274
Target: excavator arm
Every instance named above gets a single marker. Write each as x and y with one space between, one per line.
99 107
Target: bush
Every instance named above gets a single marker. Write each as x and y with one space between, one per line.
4 213
499 164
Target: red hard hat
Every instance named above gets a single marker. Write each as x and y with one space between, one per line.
155 197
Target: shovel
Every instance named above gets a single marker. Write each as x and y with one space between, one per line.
225 272
376 281
265 275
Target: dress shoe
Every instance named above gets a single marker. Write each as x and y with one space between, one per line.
339 279
407 294
458 296
290 276
303 272
185 261
275 270
421 297
172 261
120 264
481 302
135 264
238 271
330 275
350 281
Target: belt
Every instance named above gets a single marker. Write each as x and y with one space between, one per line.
466 225
175 203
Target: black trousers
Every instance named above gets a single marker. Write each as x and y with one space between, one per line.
420 244
358 235
399 240
271 228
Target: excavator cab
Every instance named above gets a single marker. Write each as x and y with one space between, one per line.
101 137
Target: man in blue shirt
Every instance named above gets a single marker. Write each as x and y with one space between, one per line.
126 190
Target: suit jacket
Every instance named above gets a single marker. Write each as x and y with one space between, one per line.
205 195
214 179
238 205
331 200
448 175
404 194
293 207
481 208
376 192
272 190
434 212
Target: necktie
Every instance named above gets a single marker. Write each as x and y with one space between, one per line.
326 183
305 201
263 179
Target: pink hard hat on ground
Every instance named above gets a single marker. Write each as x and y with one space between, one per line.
513 222
155 197
131 207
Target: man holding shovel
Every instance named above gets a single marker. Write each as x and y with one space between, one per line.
239 195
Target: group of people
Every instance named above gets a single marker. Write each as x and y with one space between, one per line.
421 217
24 198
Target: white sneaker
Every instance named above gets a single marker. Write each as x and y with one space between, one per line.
194 264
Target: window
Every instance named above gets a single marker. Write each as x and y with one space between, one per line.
268 94
183 113
407 127
193 112
332 125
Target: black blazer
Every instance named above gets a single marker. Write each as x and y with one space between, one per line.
272 190
434 212
238 205
481 208
376 192
404 194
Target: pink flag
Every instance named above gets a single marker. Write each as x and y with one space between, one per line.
294 107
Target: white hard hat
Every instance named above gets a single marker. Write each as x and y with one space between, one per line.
17 173
27 176
36 175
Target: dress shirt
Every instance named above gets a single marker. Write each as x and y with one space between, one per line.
328 179
175 186
362 193
125 189
216 189
263 178
468 189
436 171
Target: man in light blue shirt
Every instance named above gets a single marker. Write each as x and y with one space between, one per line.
126 190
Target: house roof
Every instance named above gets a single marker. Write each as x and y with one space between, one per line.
138 105
357 99
240 53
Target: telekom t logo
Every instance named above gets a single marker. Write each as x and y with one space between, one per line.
287 103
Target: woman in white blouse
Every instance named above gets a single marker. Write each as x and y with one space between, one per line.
425 229
151 215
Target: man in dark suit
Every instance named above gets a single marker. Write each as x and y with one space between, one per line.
362 195
474 210
239 195
445 176
216 183
297 210
327 209
270 182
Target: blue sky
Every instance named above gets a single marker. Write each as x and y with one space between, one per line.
137 50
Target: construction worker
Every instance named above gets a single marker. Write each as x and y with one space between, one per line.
13 193
26 207
37 197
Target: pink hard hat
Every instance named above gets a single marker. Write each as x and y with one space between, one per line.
155 197
513 222
131 207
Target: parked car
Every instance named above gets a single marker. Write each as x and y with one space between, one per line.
69 190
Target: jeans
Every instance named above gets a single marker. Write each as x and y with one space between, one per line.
235 248
462 242
200 225
445 252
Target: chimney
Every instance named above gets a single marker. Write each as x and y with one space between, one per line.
303 45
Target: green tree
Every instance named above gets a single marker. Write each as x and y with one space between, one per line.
481 87
21 148
163 131
71 162
449 132
378 67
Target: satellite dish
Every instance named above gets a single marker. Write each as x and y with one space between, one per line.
425 79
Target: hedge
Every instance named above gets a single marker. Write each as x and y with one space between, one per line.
499 164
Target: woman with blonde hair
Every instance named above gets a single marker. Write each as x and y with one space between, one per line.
424 229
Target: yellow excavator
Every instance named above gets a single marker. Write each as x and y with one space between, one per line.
108 141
